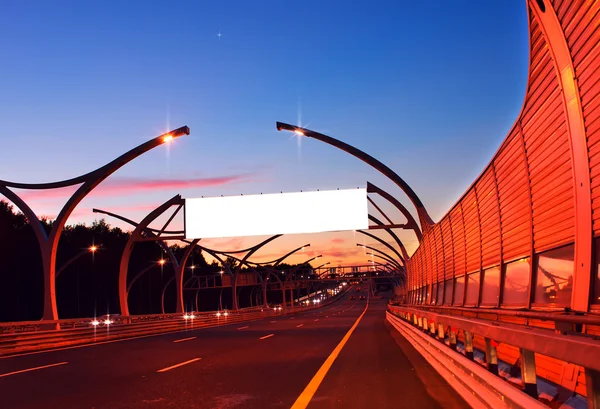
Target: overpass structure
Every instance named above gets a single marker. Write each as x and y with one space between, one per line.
505 287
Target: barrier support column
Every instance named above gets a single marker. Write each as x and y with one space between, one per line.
592 384
441 333
453 338
528 376
469 345
491 355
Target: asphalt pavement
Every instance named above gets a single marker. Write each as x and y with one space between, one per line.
259 364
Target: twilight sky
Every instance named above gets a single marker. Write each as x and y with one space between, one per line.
429 88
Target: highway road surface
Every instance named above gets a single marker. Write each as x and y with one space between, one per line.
340 356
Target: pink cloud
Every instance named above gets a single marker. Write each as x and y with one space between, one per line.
119 187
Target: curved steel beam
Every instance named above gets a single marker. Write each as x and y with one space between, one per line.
384 258
162 297
72 260
410 221
131 222
385 243
136 234
138 276
391 233
109 167
88 182
388 257
368 159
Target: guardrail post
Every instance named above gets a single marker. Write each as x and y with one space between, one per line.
491 355
420 322
592 385
424 325
528 376
453 338
469 345
441 333
432 329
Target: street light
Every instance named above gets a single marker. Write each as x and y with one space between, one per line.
93 248
162 261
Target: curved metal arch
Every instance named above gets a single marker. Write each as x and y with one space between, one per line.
138 276
424 217
391 233
49 244
385 243
410 221
131 222
133 237
71 261
162 296
384 258
390 258
108 168
178 265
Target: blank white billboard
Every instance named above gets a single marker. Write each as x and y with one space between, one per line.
280 213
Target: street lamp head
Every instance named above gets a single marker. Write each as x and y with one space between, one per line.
93 248
221 272
162 261
176 133
281 126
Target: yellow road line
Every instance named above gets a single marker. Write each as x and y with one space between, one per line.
310 390
32 369
267 336
178 365
184 339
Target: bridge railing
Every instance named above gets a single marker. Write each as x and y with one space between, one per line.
549 339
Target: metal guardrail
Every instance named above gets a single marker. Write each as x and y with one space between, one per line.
573 348
478 387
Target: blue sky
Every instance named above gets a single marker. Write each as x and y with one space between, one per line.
429 88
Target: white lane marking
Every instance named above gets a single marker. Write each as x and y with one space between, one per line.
298 326
316 320
292 318
168 368
32 369
273 322
244 327
267 336
184 339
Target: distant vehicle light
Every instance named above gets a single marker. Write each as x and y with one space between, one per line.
107 322
218 314
186 317
225 313
95 323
